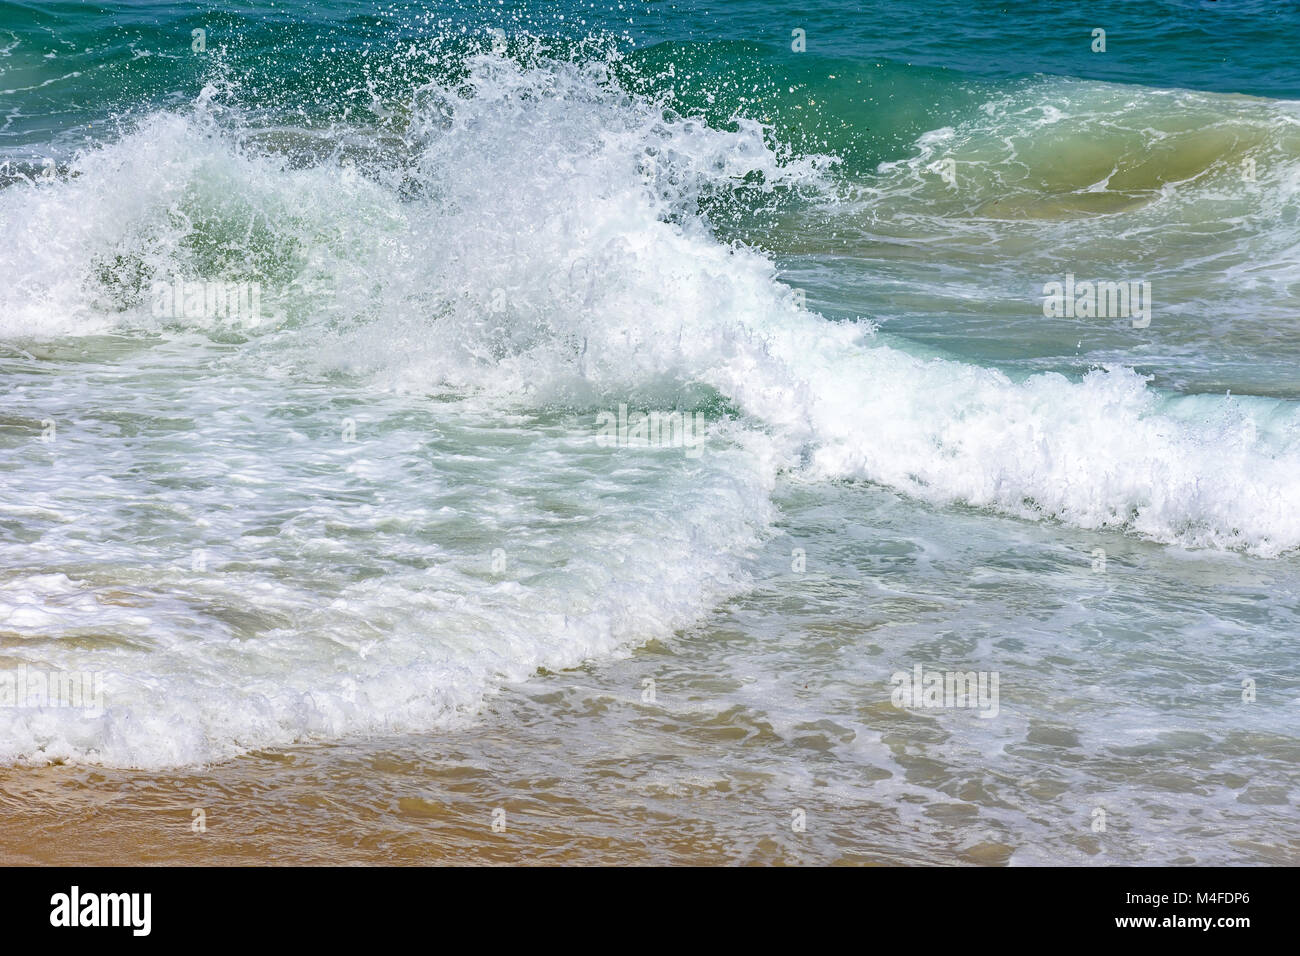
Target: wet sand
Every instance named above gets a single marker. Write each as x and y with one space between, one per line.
582 773
577 767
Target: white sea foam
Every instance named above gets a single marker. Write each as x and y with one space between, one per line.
538 250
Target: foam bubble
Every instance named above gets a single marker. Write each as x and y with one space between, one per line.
538 249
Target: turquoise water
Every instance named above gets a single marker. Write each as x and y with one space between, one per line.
386 499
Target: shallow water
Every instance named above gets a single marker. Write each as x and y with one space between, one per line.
361 569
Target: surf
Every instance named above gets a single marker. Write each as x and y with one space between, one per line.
536 244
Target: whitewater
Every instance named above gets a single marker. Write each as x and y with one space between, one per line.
430 306
386 516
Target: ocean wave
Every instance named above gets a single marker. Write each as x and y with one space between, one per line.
537 242
541 241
